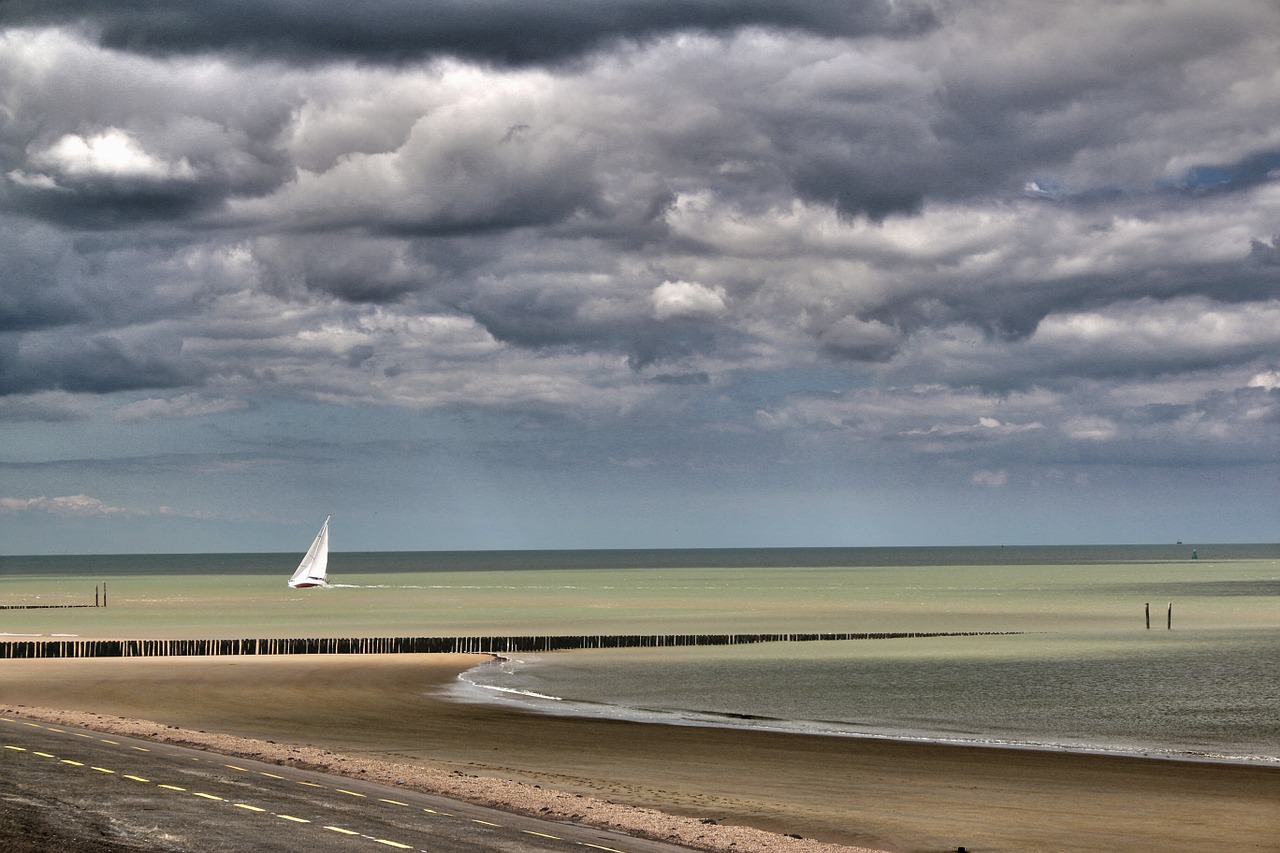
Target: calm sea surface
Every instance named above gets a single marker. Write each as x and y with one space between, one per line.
1086 673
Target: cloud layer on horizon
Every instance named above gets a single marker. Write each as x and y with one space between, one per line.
1013 237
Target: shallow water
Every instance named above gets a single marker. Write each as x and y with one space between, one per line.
1205 696
1086 674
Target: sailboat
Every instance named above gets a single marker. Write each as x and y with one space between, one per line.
314 568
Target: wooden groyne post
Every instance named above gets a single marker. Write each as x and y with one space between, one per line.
97 602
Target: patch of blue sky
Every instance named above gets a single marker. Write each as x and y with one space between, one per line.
1245 172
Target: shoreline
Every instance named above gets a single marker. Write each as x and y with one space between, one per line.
470 690
499 697
861 793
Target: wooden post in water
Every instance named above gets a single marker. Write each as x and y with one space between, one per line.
95 596
104 593
1147 607
1170 622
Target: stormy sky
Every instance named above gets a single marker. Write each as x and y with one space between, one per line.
649 273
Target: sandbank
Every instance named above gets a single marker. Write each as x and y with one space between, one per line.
383 714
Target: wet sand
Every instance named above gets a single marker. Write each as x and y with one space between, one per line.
352 713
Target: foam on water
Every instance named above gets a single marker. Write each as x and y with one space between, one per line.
505 681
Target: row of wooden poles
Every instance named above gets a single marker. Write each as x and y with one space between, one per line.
417 645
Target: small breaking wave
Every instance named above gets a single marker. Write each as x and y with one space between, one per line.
515 691
481 684
472 686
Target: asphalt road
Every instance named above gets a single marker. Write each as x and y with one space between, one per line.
79 791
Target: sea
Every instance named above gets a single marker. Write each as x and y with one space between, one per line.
1169 651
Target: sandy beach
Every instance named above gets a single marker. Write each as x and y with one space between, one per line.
382 715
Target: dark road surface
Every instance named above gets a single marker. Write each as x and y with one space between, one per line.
78 791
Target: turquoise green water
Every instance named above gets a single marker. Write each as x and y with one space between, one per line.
1087 674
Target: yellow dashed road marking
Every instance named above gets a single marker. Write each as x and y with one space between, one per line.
78 734
59 731
247 807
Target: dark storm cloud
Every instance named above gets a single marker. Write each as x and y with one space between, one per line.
99 365
537 318
112 204
367 271
31 297
79 191
244 199
92 139
501 31
1011 309
1263 254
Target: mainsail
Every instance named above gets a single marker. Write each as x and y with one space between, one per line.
313 570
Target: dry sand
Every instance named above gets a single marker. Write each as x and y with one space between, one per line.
382 715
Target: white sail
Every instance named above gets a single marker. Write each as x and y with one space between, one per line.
314 568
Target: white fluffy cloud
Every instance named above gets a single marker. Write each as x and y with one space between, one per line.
183 406
687 299
111 153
